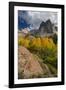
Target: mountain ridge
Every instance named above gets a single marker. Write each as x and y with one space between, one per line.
45 28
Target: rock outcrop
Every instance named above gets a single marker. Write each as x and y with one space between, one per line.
45 29
27 65
30 66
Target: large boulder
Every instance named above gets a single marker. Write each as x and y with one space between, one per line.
28 66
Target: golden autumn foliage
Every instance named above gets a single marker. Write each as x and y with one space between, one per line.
47 43
44 48
37 42
23 42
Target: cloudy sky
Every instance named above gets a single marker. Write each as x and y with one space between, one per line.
32 19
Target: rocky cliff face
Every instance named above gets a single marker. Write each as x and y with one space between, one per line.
45 28
30 66
27 65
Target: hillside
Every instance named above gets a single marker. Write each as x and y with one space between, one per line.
37 51
31 66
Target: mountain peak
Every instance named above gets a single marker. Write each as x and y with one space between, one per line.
42 23
49 22
46 27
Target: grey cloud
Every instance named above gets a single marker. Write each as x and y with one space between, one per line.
35 18
38 17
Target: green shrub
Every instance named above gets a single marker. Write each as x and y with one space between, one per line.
55 38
